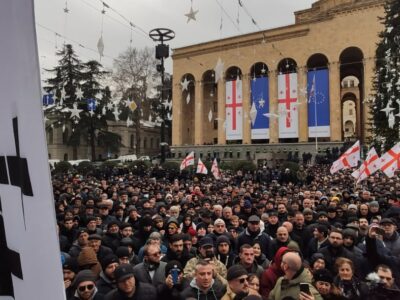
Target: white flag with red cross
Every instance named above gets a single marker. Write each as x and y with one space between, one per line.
201 168
188 161
349 159
390 161
368 167
215 169
287 106
234 110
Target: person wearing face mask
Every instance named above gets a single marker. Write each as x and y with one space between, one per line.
151 270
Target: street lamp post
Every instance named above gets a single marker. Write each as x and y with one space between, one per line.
162 51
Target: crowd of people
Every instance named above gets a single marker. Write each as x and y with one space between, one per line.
268 234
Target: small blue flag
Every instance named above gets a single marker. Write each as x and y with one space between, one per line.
91 104
48 99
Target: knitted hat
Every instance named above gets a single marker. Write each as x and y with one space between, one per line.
323 275
84 275
71 264
235 271
223 239
122 252
109 259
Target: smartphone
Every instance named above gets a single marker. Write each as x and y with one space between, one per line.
380 231
305 288
174 274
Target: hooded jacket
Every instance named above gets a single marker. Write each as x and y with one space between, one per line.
216 292
87 257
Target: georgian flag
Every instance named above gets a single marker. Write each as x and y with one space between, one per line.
390 161
188 161
368 167
349 159
215 170
201 168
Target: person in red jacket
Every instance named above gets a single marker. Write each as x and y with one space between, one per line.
272 273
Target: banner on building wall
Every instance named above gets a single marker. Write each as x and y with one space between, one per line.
288 106
318 103
30 260
234 110
259 111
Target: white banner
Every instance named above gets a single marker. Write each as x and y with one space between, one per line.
288 106
30 263
234 110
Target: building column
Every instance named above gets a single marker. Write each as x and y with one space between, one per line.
221 112
335 102
177 115
303 104
369 66
198 114
246 110
273 107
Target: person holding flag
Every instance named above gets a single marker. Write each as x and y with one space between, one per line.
188 161
390 161
201 168
349 159
215 169
368 167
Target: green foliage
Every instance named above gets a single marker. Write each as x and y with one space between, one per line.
387 79
171 165
85 167
62 167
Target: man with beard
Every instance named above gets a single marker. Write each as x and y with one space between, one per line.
81 242
85 287
225 252
177 251
151 270
133 217
254 233
106 282
91 225
273 224
111 238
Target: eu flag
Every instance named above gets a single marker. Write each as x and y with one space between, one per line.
318 103
259 111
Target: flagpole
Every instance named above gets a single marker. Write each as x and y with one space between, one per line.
315 115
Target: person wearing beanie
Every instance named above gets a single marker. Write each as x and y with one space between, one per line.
111 237
144 231
123 255
87 260
81 241
350 237
323 282
317 261
106 282
85 288
237 283
70 269
224 251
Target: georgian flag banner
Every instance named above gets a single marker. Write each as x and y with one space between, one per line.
201 168
260 108
215 169
188 161
287 106
234 110
368 167
349 159
390 161
30 260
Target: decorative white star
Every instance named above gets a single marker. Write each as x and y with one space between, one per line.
263 70
253 113
391 120
76 121
99 95
387 109
129 122
167 105
219 70
116 114
261 103
99 116
188 98
210 115
110 106
63 94
191 15
75 111
91 113
185 84
78 93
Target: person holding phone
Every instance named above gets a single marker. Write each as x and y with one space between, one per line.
174 281
296 281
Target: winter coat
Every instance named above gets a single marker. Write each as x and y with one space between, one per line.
331 254
216 292
247 237
189 270
142 273
104 284
393 243
352 289
185 257
143 291
291 288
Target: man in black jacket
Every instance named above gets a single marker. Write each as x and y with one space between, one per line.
177 251
128 288
106 282
253 233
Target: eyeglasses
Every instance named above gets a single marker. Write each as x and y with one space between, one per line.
242 280
88 287
155 254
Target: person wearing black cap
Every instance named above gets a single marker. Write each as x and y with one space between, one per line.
133 217
224 251
96 243
391 238
238 285
323 282
106 282
205 252
70 269
81 241
273 224
104 214
85 288
144 231
91 226
128 288
111 237
252 233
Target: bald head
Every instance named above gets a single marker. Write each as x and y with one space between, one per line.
282 234
293 261
288 226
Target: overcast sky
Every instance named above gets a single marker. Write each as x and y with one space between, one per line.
83 23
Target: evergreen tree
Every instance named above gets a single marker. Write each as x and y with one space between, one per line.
82 104
386 124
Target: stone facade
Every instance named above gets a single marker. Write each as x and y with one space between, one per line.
342 34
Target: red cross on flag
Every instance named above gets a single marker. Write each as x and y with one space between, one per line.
390 161
368 167
201 168
234 110
188 161
215 170
349 159
287 97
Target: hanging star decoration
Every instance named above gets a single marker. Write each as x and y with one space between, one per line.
261 103
188 98
78 93
91 113
116 114
99 96
103 111
167 105
253 113
387 109
131 105
100 46
210 115
169 117
75 112
129 122
219 70
191 15
391 120
109 106
63 94
185 84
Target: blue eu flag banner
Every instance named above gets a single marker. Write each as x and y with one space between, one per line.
91 104
48 99
318 103
259 111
